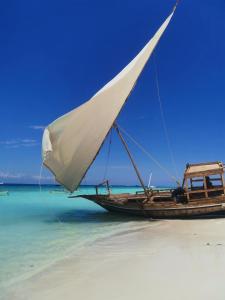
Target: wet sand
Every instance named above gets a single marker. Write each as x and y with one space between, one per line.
174 259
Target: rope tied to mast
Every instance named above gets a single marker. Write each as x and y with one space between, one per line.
163 118
108 155
176 4
149 155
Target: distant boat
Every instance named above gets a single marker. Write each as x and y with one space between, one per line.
58 191
4 193
72 142
149 182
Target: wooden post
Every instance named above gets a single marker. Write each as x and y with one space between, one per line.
131 158
96 189
205 187
186 187
108 188
223 183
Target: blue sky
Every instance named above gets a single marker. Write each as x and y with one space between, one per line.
55 55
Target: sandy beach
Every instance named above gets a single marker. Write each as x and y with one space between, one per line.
174 259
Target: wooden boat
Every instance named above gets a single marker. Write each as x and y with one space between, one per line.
186 201
72 142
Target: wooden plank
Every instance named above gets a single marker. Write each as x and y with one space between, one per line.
205 163
207 190
187 193
197 180
203 169
222 179
201 180
216 179
204 173
205 187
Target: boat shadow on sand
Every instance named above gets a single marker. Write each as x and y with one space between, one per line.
84 216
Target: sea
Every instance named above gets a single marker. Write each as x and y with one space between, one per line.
40 225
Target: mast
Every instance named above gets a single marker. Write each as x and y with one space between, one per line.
131 159
149 180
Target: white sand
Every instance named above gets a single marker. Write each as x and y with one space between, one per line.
179 259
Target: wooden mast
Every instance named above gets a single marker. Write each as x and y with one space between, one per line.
131 158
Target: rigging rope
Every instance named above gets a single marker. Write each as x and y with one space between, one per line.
40 190
149 155
40 177
163 118
108 156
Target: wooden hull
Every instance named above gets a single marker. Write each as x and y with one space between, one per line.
160 209
168 212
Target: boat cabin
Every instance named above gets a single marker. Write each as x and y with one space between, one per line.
204 180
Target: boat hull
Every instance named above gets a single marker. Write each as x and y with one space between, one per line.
164 210
186 212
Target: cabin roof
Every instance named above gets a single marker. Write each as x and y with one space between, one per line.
204 169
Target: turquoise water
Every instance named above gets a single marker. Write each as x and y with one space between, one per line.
40 227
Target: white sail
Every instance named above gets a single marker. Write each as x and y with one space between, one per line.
71 143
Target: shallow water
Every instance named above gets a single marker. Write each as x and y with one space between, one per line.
40 227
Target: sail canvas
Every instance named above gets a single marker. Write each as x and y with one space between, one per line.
71 143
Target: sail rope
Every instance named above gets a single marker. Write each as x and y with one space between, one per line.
149 155
40 190
40 177
108 156
163 118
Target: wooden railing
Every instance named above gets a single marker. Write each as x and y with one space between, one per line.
104 183
203 191
206 191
